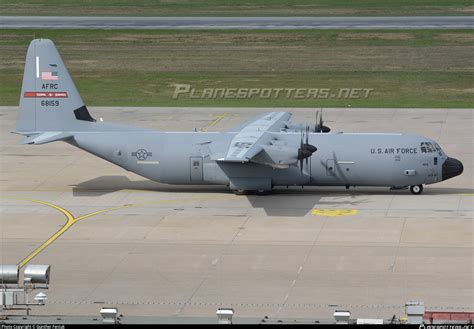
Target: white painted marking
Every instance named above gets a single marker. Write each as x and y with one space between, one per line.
293 283
300 269
148 162
345 162
37 67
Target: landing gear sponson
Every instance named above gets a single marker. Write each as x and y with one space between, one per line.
414 189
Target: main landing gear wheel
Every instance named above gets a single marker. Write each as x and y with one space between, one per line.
416 189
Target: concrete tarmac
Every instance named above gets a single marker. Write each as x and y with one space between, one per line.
174 251
240 23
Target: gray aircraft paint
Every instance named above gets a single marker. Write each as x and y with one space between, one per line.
259 155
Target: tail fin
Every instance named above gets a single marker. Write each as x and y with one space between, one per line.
49 99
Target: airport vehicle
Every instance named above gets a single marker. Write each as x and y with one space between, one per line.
263 153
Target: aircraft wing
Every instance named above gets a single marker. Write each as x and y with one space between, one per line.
254 137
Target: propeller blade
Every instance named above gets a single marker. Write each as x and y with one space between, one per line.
320 127
306 150
316 114
301 143
307 134
316 122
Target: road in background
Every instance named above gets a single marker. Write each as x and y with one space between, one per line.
241 23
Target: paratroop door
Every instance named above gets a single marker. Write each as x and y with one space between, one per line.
330 167
196 169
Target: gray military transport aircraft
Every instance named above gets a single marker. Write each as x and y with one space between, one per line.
266 152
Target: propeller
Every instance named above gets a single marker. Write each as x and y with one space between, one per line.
319 127
306 150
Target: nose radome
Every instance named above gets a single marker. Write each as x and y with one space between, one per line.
452 168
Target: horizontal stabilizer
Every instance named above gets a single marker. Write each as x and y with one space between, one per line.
46 137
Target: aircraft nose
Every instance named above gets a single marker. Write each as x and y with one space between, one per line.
451 168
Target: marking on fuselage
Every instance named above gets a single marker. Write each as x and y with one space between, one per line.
142 154
148 162
334 212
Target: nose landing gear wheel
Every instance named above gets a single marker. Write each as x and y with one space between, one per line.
416 189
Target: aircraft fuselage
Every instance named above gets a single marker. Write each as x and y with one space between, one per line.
342 159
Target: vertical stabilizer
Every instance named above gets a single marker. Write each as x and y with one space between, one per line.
49 100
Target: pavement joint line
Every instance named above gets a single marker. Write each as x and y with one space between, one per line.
301 267
394 262
71 220
107 276
290 305
458 210
213 267
389 205
46 179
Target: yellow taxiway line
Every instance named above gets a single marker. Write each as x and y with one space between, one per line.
334 212
214 122
71 220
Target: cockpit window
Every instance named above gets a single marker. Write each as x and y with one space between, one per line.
428 147
423 147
